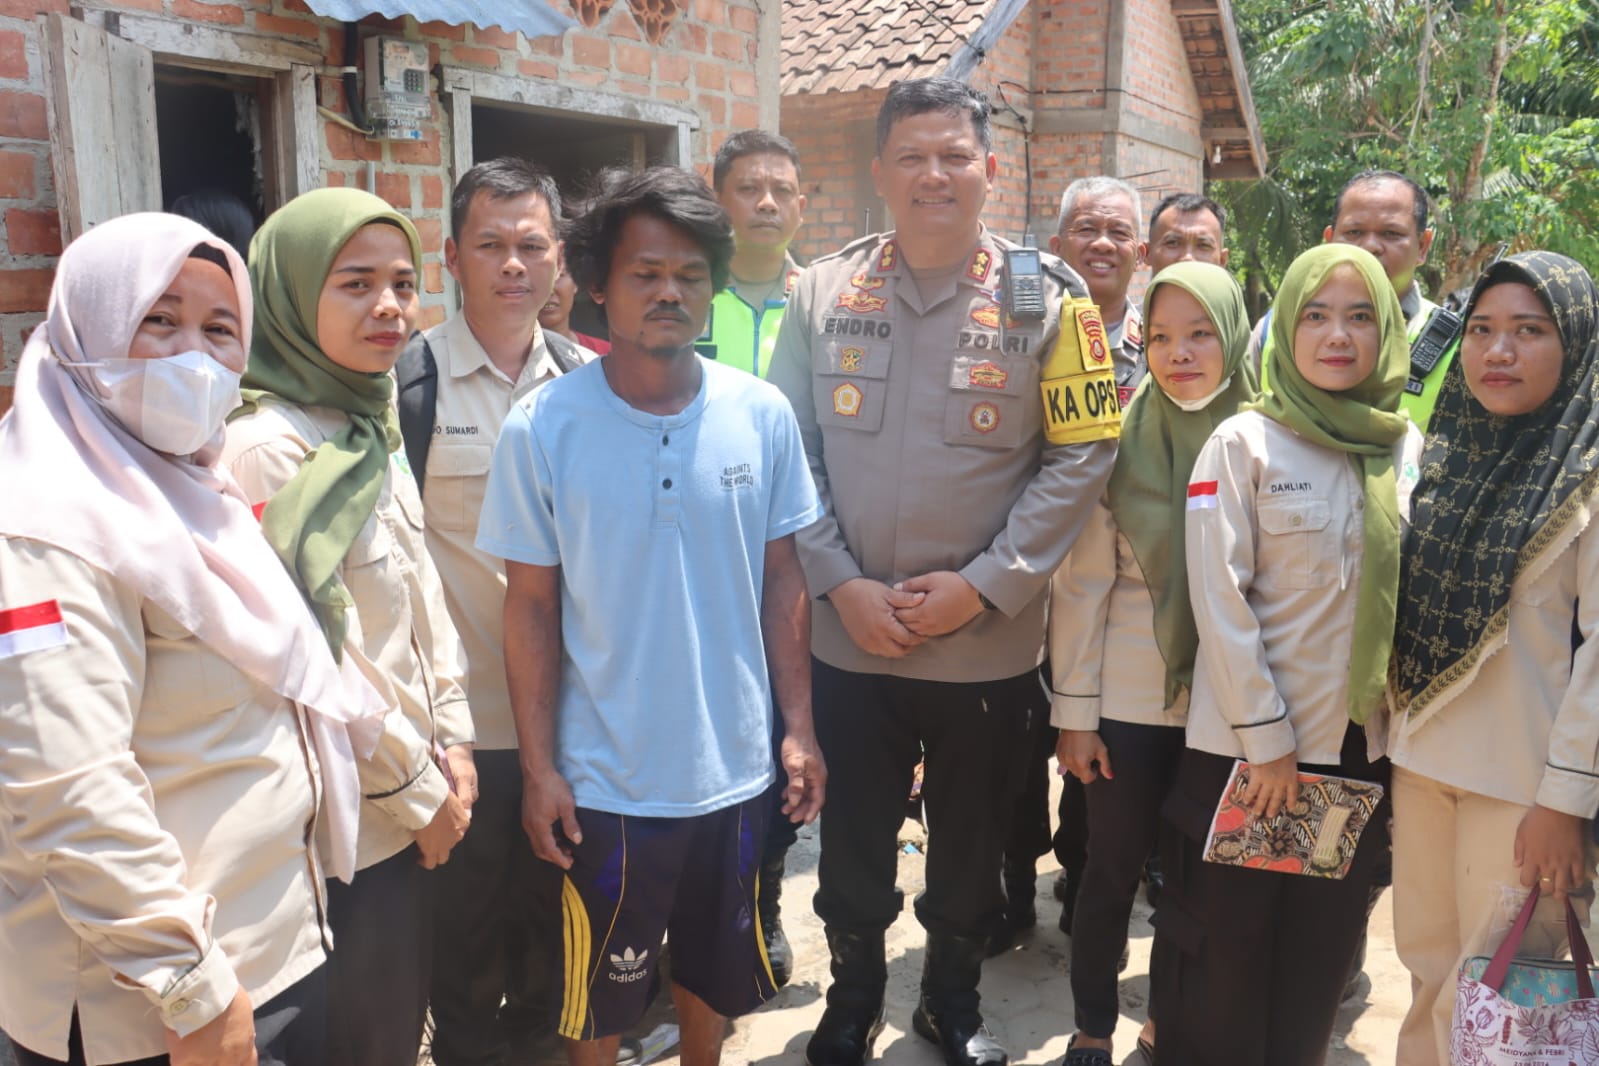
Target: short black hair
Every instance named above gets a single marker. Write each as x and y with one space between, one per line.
675 196
917 96
1368 177
750 142
1183 203
222 213
503 179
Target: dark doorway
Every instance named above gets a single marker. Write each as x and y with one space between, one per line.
209 129
573 149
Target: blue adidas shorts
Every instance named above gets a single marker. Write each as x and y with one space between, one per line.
636 880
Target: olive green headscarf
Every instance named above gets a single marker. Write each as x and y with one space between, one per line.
312 521
1159 443
1364 421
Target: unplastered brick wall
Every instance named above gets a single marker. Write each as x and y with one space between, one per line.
706 60
30 235
835 134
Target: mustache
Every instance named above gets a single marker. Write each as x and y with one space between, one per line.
672 311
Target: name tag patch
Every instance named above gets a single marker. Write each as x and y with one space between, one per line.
36 627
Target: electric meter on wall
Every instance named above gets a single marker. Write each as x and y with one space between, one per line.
397 102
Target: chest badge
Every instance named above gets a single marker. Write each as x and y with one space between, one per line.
861 303
984 417
847 400
987 375
866 283
851 359
986 316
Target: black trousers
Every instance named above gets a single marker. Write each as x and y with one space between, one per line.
497 923
873 730
378 973
290 1030
1123 826
1249 964
1028 836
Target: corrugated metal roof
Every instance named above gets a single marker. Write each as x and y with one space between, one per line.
531 18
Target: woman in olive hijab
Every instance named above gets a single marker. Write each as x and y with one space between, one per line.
316 449
1495 733
1122 636
1293 509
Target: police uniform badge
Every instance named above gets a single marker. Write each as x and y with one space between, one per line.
866 283
986 316
847 400
984 417
987 375
861 303
1081 402
850 360
788 284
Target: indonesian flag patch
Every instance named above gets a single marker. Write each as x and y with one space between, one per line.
1202 495
33 628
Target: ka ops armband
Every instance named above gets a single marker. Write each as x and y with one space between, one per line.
1079 380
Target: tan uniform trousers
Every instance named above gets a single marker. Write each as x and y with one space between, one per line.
1456 892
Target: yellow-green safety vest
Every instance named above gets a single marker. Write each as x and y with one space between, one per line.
741 335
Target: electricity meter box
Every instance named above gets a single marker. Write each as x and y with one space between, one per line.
397 102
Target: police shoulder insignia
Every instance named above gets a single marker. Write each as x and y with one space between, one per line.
887 257
789 282
1133 331
980 266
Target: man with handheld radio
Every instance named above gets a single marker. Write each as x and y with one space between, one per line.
959 433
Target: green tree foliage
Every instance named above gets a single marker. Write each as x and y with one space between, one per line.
1493 105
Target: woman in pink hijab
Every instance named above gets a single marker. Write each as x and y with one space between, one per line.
171 719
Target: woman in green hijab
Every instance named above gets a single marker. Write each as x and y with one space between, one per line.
1122 635
1293 522
315 448
1495 733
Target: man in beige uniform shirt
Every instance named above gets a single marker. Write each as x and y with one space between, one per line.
924 409
497 904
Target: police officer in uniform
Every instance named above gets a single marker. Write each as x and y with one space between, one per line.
756 178
958 450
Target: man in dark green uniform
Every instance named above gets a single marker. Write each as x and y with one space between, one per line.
756 177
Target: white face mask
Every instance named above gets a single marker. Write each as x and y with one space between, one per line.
1204 401
175 405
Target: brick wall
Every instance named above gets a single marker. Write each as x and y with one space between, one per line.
707 61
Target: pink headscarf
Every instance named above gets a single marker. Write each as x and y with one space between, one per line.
178 531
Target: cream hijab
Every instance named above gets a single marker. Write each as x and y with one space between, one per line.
177 531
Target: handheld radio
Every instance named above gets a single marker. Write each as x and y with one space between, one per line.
1024 285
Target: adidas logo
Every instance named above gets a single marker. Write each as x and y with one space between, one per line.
631 966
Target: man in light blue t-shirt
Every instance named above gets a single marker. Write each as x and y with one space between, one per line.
646 506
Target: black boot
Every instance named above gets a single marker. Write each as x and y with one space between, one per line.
769 891
854 1015
947 1014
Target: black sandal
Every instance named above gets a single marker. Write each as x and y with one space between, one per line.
1085 1056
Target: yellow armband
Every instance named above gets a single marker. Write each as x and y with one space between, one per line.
1079 380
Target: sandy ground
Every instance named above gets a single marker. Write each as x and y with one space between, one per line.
1026 992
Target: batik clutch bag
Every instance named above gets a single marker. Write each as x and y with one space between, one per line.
1316 837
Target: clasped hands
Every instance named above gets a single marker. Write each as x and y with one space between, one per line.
891 620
